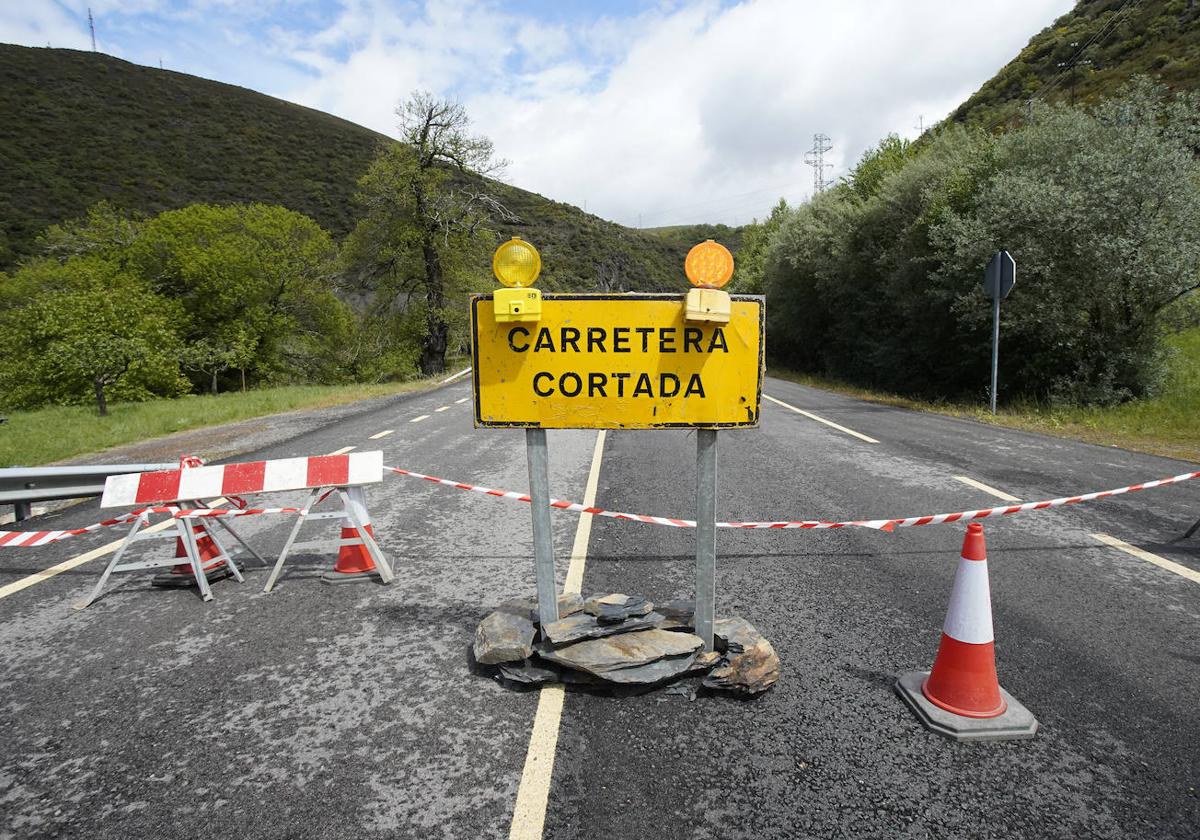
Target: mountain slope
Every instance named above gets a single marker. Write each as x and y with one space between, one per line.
78 127
1088 53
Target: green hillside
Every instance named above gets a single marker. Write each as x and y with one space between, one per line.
78 127
1088 53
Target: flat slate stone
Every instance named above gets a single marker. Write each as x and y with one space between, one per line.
616 607
569 603
660 670
529 672
624 650
584 626
503 637
750 664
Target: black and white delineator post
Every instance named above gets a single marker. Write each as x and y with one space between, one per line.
998 281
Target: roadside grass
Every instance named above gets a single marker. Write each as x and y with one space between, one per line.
1167 425
51 434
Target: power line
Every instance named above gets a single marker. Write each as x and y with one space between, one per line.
92 27
1069 64
815 157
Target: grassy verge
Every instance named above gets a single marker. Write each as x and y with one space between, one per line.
1165 425
51 434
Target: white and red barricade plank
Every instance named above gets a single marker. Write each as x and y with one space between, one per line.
355 468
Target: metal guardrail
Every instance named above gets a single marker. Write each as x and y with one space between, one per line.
21 486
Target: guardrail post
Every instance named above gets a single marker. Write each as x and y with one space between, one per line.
543 543
706 533
22 510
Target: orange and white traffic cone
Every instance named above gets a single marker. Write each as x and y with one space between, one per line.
961 697
211 561
354 561
210 553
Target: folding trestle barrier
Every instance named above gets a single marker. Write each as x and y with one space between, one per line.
357 533
343 475
195 537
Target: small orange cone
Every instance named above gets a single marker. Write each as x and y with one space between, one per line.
210 552
354 561
961 697
963 679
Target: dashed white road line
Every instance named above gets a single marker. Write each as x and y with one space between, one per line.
1161 562
460 402
419 418
443 408
342 451
533 795
382 434
829 423
979 485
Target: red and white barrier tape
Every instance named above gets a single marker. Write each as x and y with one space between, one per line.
875 524
13 539
10 539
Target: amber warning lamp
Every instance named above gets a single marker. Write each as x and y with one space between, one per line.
708 266
516 264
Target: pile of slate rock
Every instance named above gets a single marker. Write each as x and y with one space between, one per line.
622 642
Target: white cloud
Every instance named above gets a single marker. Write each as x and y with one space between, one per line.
678 114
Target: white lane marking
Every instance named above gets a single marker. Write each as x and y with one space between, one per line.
1161 562
382 434
460 402
342 451
443 408
86 557
455 376
533 795
979 485
829 423
419 418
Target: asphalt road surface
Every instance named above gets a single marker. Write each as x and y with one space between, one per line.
341 712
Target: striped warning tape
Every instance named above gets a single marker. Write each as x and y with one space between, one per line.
875 524
26 539
10 539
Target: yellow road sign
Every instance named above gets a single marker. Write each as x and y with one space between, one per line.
617 362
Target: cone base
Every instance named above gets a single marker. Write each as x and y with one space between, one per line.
1017 722
171 580
336 577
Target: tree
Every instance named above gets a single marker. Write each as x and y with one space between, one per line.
752 256
426 205
877 281
254 280
91 332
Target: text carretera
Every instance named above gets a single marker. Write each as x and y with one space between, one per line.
616 340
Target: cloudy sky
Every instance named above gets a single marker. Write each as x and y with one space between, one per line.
651 113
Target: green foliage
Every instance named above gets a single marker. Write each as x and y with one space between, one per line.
1105 42
750 265
90 331
255 284
881 286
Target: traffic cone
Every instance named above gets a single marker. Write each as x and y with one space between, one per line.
354 561
181 573
961 697
211 561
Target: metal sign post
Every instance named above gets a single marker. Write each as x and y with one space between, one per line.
543 540
998 281
629 361
706 533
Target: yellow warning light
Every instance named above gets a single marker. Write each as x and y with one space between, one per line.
709 265
516 263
